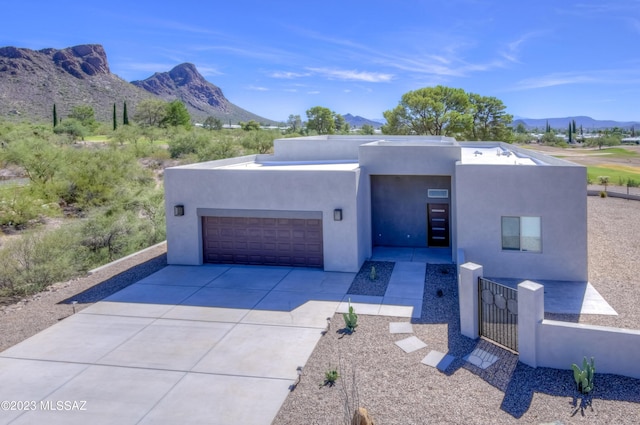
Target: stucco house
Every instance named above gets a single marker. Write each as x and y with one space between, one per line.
327 201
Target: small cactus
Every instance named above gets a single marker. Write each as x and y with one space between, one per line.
350 319
372 273
584 377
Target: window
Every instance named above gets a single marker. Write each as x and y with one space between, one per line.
438 193
521 234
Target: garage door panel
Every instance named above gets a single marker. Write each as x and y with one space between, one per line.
254 240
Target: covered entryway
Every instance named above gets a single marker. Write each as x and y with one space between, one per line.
399 210
259 240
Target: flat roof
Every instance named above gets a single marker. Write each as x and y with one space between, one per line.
496 155
294 165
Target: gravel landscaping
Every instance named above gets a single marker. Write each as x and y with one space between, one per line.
393 385
397 389
363 284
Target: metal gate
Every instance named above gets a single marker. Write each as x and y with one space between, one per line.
498 311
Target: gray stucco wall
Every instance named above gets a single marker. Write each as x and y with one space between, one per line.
259 189
398 158
557 194
399 208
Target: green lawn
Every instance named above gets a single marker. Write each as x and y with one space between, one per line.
616 173
612 152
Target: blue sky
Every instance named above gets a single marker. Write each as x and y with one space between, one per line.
541 58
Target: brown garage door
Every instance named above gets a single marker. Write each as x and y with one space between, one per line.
269 241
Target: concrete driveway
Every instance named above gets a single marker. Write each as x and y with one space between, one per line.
188 344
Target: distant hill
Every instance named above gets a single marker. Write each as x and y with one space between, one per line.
202 98
32 81
587 123
359 121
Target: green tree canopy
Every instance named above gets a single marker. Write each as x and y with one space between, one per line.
342 126
86 116
212 123
294 123
435 111
176 115
490 121
250 125
367 129
150 112
321 120
73 128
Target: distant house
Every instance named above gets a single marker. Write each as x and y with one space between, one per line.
630 141
326 201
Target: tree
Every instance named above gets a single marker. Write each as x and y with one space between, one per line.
39 158
430 111
72 128
115 118
570 134
125 115
520 128
321 119
367 129
250 125
294 123
604 140
212 123
85 115
490 121
341 125
573 124
55 116
550 138
150 112
176 115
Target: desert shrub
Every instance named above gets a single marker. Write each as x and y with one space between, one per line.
95 178
36 260
188 143
219 148
259 141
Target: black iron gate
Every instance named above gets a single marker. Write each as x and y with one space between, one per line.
498 309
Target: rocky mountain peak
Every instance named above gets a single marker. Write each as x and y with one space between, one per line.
185 73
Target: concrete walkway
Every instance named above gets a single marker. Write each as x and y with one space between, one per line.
188 344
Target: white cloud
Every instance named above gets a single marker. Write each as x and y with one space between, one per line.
257 88
313 92
353 75
288 75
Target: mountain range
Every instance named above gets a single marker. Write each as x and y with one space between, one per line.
358 121
587 123
32 81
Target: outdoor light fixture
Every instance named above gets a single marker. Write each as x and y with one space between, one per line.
337 214
178 210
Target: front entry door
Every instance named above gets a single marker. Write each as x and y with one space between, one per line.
438 225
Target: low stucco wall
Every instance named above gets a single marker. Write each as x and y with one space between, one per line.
615 350
550 343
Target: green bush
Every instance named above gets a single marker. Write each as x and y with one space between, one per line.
36 260
189 143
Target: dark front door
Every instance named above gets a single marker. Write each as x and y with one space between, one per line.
438 225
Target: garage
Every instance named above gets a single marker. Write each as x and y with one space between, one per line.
262 240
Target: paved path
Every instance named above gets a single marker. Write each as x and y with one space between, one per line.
188 345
